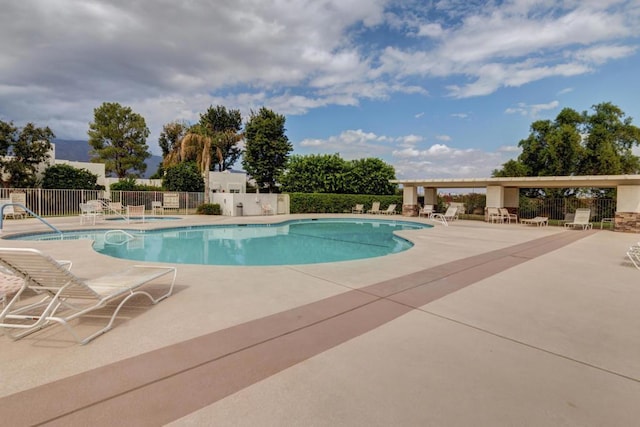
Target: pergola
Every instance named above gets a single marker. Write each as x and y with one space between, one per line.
504 192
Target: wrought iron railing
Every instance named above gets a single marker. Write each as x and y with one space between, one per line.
49 202
557 209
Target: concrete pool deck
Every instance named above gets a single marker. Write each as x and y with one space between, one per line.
477 324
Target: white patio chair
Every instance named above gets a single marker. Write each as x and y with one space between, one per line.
64 297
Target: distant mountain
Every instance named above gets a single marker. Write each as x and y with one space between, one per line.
78 151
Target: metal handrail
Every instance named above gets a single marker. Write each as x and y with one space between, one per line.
35 215
108 233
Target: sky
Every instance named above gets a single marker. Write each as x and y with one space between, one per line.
438 89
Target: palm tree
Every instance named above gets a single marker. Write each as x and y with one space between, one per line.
196 146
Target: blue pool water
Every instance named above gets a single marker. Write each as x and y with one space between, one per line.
287 243
146 218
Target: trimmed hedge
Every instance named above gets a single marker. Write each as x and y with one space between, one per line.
338 203
209 209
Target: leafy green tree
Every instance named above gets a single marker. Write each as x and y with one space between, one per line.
610 137
183 177
267 147
68 177
315 173
223 127
598 143
171 135
21 151
370 176
169 140
118 139
196 146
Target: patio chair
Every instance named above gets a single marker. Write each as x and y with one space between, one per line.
508 215
581 219
494 215
375 208
88 212
157 208
426 210
20 198
267 209
391 209
171 201
357 209
634 255
568 218
116 207
64 297
540 221
449 215
135 212
10 284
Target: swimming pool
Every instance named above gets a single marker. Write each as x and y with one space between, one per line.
287 243
146 218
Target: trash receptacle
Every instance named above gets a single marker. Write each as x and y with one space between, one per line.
239 209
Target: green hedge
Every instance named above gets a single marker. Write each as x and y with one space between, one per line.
338 203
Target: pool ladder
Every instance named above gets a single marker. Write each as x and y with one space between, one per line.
127 237
35 215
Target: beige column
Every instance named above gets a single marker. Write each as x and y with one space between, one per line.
495 196
628 209
410 201
430 196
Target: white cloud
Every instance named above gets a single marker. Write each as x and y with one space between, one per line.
169 60
531 109
445 138
565 91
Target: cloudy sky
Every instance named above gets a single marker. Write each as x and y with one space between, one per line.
435 88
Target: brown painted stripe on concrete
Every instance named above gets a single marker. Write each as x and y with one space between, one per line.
166 384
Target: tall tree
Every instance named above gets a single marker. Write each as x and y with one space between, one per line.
370 176
21 152
118 137
314 173
196 146
171 135
610 136
223 127
267 147
169 141
598 143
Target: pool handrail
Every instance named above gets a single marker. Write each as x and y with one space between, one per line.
35 215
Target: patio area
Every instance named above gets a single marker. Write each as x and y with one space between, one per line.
477 324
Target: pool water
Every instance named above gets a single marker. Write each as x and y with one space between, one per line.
145 219
288 243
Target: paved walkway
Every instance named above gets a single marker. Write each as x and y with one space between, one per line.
216 377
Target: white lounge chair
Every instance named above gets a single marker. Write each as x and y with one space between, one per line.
64 297
506 215
426 210
357 209
391 209
540 221
581 219
375 208
449 215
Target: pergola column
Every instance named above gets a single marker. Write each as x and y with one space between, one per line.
627 217
410 201
430 196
